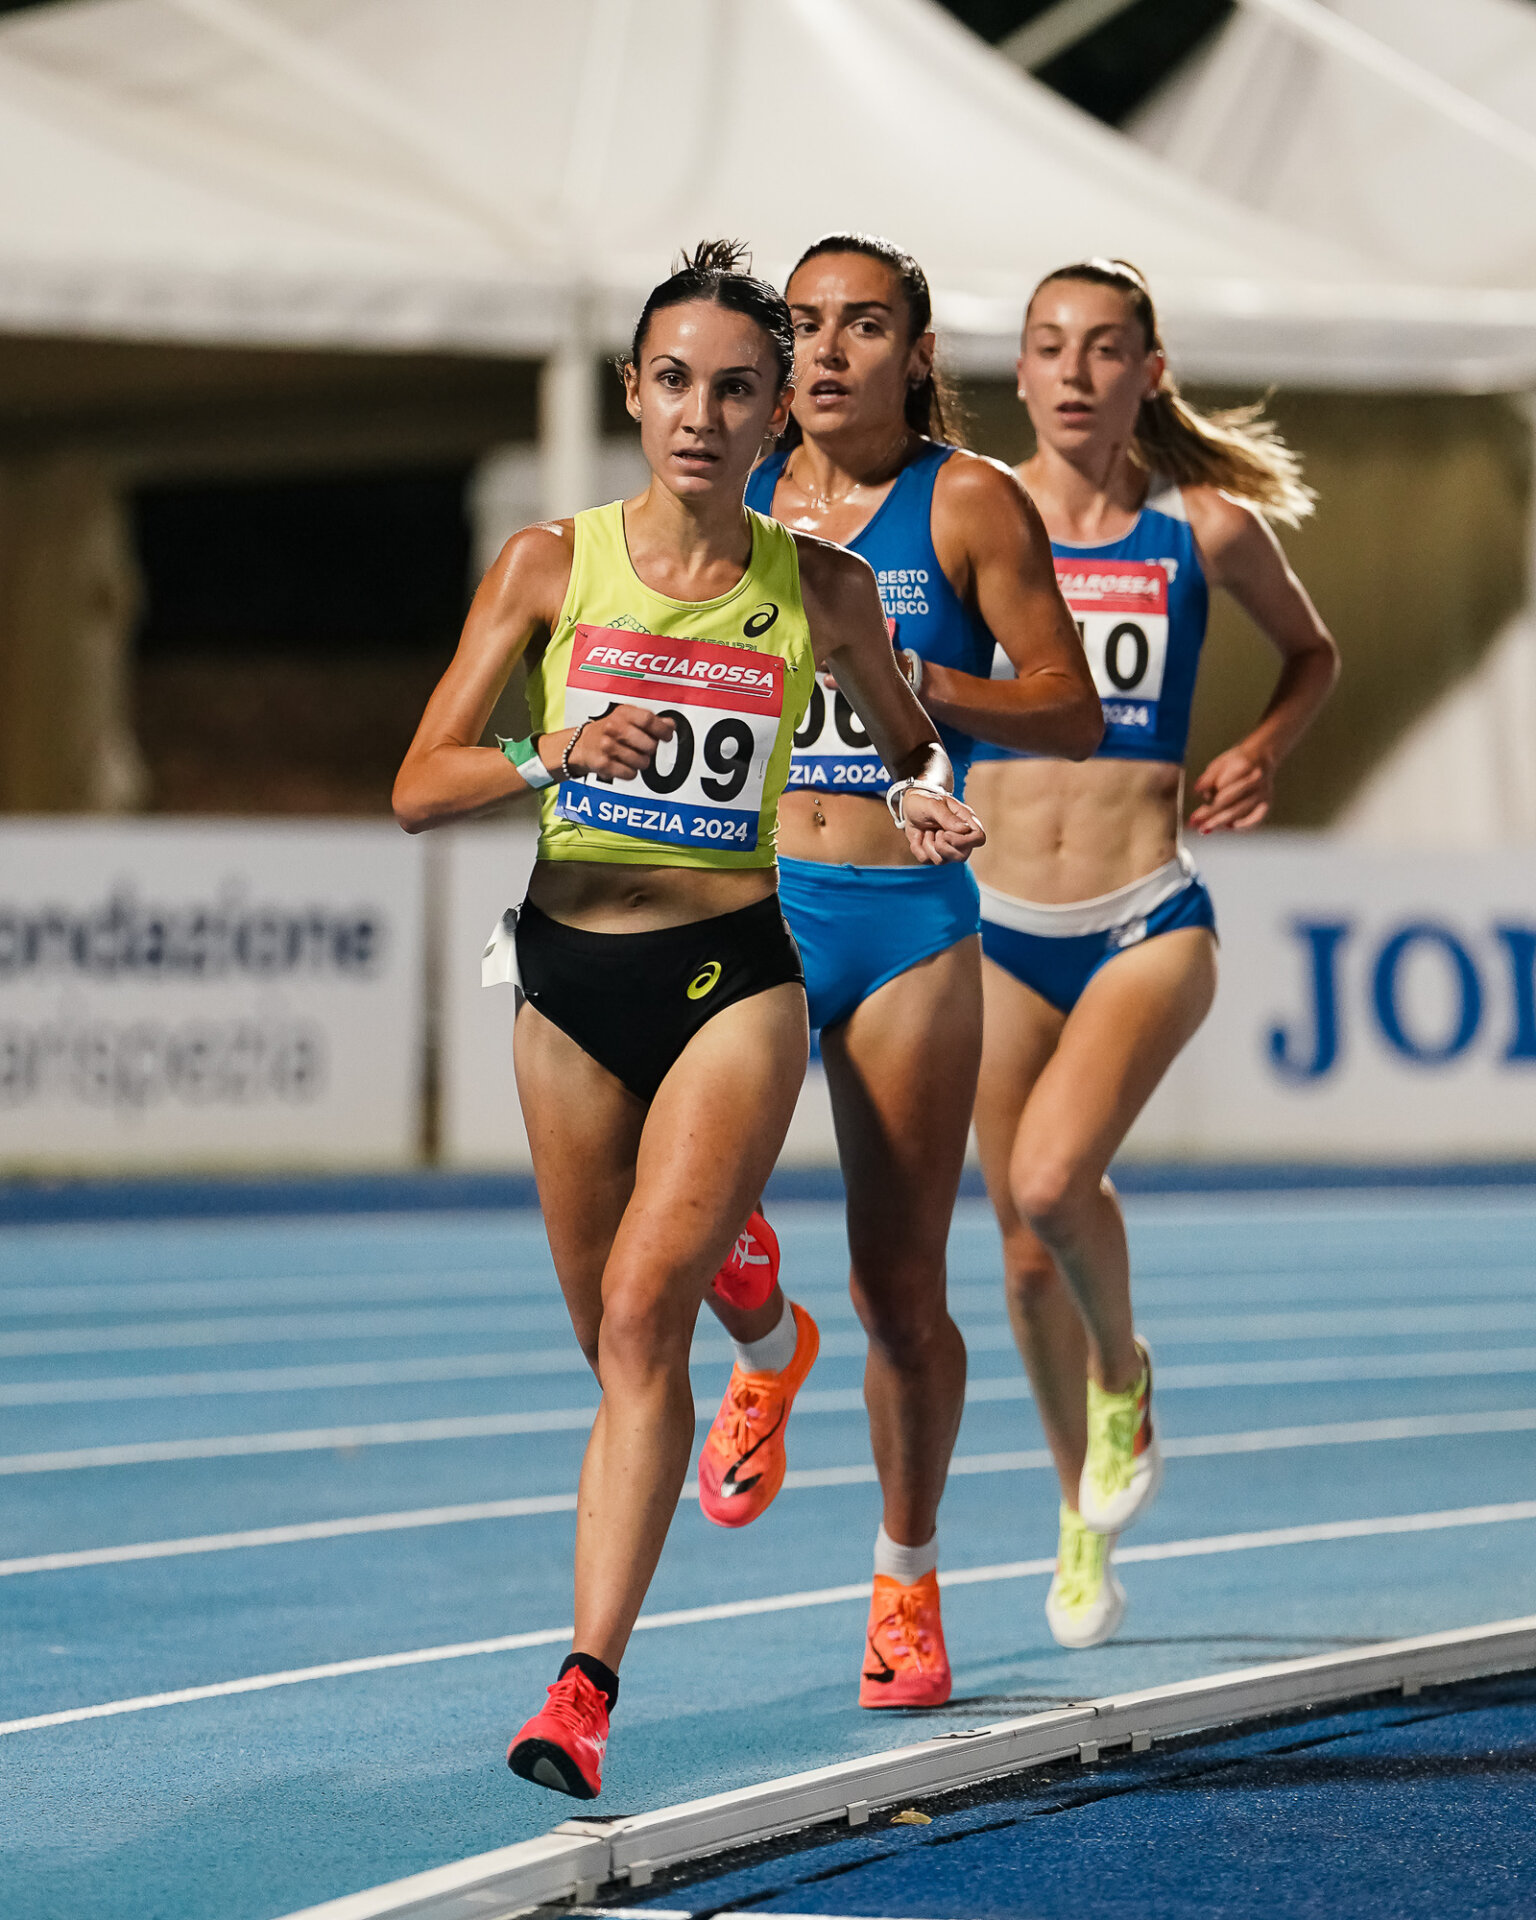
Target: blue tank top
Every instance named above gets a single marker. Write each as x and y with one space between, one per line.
1140 604
923 611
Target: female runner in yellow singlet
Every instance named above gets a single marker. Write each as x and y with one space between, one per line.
1098 936
672 642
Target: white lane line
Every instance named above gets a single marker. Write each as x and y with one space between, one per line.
429 1370
1331 1369
1514 1316
385 1433
241 1330
518 1317
293 1534
1327 1370
492 1426
1327 1530
797 1480
299 1290
311 1379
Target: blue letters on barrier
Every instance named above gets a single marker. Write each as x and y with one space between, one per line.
1323 938
1384 993
1520 944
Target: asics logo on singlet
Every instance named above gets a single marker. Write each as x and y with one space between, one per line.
761 620
704 981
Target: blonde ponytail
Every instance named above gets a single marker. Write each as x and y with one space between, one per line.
1236 449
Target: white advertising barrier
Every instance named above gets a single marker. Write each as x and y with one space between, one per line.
207 995
1373 1005
485 870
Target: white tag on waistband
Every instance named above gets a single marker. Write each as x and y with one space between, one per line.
498 964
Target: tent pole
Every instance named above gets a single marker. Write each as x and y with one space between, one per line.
569 423
1039 41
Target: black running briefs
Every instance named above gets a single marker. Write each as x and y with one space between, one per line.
634 1000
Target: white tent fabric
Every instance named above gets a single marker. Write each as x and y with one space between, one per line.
507 174
1302 131
1290 127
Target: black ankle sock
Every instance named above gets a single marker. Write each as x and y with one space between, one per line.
603 1678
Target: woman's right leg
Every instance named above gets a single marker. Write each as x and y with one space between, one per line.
1070 1111
700 1156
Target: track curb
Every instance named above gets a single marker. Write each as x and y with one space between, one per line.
580 1856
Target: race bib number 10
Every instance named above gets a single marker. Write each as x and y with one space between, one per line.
704 788
1121 610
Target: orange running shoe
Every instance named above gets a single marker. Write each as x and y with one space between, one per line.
741 1466
905 1662
752 1271
563 1745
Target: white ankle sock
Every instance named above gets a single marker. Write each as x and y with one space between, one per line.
773 1353
906 1564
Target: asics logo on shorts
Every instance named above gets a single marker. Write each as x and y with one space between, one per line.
705 981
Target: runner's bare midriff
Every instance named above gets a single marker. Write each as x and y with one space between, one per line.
858 830
612 898
1059 832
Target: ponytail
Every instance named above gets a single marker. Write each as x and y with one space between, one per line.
932 407
1235 449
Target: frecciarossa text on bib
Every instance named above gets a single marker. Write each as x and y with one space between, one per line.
704 787
1121 611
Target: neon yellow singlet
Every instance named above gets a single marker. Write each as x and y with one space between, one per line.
734 674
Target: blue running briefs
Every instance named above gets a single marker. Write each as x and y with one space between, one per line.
859 927
1058 965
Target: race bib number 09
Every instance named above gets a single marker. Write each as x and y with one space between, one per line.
704 787
1121 610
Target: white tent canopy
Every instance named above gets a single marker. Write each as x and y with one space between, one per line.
512 176
1405 129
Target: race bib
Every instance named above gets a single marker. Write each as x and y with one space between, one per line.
832 750
1121 610
704 786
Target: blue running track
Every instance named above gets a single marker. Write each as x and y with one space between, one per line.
369 1428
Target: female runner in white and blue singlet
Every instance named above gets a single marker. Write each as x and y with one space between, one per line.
891 950
1098 935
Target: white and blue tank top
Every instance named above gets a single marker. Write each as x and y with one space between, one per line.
1140 604
832 751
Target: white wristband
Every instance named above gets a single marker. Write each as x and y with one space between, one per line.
895 796
912 667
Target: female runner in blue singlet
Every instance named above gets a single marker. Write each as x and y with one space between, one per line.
891 951
1098 936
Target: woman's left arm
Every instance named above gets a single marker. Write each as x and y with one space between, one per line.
1239 551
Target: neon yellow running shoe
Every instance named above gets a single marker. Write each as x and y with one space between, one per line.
1124 1466
1086 1602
